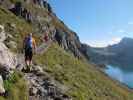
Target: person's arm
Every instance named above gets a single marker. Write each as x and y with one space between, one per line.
34 45
23 43
23 47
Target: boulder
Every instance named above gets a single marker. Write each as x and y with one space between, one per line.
7 59
33 91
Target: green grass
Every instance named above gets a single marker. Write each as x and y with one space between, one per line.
84 81
19 32
16 87
21 27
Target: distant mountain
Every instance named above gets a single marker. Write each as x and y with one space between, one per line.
119 54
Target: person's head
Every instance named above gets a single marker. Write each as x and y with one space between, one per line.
30 35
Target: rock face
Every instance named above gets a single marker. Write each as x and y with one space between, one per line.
19 10
69 42
7 59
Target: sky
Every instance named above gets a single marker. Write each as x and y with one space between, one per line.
97 22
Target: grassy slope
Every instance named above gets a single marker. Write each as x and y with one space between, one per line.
21 29
84 81
19 32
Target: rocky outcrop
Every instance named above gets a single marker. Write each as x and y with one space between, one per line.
43 87
7 59
19 10
41 3
69 42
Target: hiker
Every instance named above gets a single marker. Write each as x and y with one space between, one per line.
29 47
46 37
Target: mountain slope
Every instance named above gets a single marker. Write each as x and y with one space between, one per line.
119 54
83 80
63 62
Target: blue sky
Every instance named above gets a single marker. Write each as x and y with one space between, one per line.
97 22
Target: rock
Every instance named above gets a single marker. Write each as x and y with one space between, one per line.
2 90
58 98
37 69
42 88
19 67
11 44
5 72
33 91
2 34
7 59
1 2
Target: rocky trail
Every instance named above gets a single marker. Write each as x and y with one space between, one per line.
40 84
42 87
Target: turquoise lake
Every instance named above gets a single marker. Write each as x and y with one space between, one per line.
120 74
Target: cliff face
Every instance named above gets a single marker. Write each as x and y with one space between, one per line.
59 71
46 21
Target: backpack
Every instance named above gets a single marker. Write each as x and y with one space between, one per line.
46 38
28 43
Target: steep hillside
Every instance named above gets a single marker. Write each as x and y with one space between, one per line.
61 71
83 80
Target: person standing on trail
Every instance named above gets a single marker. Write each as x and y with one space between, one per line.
46 37
29 47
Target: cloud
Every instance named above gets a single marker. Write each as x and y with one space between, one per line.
115 40
96 43
130 23
121 31
101 43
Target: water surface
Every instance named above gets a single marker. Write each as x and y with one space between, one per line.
120 74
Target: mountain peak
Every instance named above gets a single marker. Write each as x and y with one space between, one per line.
126 40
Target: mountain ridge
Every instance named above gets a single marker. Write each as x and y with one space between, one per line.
119 54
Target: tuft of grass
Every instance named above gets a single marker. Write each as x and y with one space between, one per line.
16 87
84 81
